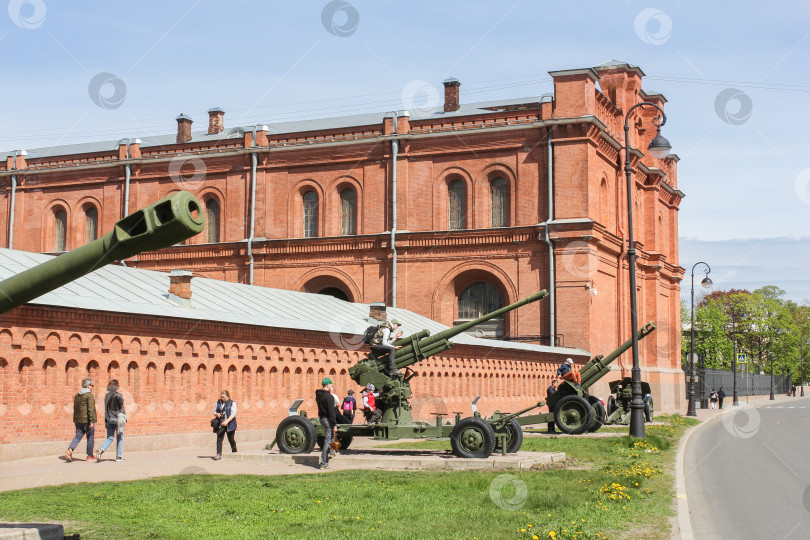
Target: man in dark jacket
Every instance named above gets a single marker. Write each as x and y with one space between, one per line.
327 415
549 391
84 416
721 394
113 406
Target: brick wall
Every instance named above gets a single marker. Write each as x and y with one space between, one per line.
171 372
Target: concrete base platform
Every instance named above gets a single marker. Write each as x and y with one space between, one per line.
407 459
31 531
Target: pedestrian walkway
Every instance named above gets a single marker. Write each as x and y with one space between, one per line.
54 470
252 458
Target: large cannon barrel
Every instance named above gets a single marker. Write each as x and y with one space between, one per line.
599 366
423 345
456 330
162 224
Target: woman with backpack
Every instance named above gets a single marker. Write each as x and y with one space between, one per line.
348 407
713 398
225 411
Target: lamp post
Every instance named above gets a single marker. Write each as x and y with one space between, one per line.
690 411
801 355
659 147
770 358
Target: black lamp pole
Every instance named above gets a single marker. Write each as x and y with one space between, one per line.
768 349
690 410
659 147
801 354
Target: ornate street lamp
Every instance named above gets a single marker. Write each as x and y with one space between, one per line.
707 282
770 358
801 354
659 148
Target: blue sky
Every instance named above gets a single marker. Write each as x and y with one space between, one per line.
735 76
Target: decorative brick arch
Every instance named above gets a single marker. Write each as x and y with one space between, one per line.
332 210
80 215
327 276
295 206
49 222
440 195
448 289
484 192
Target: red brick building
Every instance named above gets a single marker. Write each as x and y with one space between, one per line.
444 212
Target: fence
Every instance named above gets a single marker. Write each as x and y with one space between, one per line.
748 384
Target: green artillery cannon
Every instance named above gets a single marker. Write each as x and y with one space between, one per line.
162 224
618 408
298 434
572 407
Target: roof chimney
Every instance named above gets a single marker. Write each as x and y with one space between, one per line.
216 122
183 128
451 95
180 287
376 311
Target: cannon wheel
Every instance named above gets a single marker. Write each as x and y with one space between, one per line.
611 405
573 415
343 438
514 437
599 415
472 437
648 409
296 435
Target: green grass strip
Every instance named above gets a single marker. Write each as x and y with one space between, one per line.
614 488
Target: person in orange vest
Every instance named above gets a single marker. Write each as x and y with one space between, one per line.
566 372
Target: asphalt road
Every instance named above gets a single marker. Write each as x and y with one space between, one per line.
747 473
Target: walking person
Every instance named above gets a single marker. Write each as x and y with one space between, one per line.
327 415
382 344
84 417
720 395
225 411
349 406
713 398
114 421
549 391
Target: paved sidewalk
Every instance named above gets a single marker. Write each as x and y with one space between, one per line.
251 459
54 470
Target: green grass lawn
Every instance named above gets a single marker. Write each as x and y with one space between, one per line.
615 488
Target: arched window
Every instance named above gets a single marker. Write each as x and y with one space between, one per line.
310 214
90 224
499 198
348 211
212 220
478 300
60 230
457 195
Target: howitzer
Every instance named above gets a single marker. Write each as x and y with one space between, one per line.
618 408
297 434
164 223
572 408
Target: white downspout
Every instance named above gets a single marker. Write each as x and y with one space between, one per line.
552 284
13 199
127 176
394 153
254 159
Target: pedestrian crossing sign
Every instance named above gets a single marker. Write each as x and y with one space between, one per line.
740 358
